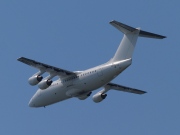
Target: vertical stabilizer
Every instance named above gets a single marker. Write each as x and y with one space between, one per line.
127 45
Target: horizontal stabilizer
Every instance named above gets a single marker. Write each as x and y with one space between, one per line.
126 29
150 35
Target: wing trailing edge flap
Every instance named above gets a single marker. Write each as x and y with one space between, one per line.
123 88
46 68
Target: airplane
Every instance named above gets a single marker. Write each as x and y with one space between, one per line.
80 84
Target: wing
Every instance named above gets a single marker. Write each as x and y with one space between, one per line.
124 88
45 67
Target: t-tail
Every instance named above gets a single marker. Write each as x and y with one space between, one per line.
127 45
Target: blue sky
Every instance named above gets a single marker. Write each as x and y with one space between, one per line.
76 35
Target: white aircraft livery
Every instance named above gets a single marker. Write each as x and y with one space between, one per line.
80 84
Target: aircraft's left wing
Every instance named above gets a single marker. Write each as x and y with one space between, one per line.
124 88
45 67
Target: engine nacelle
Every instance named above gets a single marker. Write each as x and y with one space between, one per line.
99 97
45 84
34 80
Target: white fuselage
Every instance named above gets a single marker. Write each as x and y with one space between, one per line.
75 85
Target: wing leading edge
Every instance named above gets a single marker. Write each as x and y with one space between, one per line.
124 88
45 67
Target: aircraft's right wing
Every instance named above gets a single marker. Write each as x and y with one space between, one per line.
124 88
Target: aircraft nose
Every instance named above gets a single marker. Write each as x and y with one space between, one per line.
35 100
31 103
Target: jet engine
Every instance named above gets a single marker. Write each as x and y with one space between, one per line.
45 84
99 97
34 80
